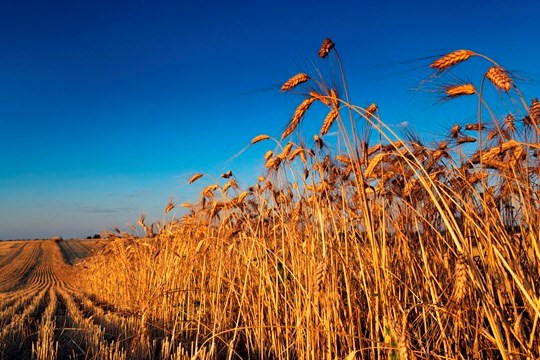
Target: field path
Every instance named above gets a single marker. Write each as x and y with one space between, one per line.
44 315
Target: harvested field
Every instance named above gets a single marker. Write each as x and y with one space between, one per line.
72 251
44 315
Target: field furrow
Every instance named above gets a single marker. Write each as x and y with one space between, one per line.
81 331
45 345
16 335
39 317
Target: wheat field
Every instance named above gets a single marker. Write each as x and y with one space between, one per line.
354 243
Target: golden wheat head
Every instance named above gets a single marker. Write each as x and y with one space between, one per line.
534 111
326 46
259 138
465 139
460 279
454 132
459 90
169 207
499 78
329 120
294 82
371 110
297 116
475 126
451 59
195 178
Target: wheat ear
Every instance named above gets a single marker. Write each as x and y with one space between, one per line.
451 59
326 46
195 178
499 78
259 138
297 116
294 81
329 120
460 90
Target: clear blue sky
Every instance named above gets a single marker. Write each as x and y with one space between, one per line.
106 108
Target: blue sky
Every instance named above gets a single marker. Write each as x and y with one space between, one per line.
106 108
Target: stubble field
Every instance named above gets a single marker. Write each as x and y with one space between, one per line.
43 313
